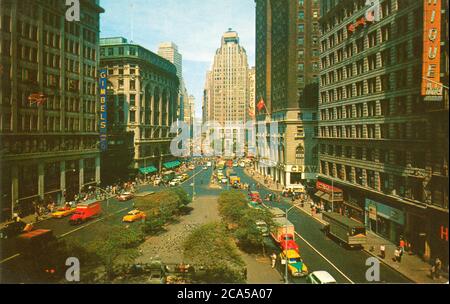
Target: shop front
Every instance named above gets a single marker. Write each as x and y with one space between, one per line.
438 235
354 206
329 197
386 221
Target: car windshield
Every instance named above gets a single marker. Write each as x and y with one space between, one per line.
294 260
288 238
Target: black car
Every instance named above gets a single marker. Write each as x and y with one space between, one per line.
12 229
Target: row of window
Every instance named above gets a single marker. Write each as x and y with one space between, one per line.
398 131
387 183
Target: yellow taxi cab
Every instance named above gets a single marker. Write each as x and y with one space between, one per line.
63 212
296 266
134 215
184 177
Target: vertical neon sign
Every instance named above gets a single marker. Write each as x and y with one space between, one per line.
103 110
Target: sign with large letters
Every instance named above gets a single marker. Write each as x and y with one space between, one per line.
431 85
103 110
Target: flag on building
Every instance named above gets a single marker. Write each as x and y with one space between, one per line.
261 104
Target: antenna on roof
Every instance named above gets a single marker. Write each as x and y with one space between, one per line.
132 21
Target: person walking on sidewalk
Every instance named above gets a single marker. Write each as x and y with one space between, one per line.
397 255
436 269
382 251
273 257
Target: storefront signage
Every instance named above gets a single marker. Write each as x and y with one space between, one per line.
103 110
385 211
326 188
372 210
431 85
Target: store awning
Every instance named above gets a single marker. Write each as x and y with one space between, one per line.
327 197
172 164
319 194
147 170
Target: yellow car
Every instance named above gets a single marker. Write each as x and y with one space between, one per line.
184 177
296 266
134 215
63 212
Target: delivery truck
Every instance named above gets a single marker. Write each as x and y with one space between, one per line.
345 229
86 211
283 233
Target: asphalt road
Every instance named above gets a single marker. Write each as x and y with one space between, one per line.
317 250
112 214
322 253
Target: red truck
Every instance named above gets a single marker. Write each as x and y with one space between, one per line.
85 211
283 233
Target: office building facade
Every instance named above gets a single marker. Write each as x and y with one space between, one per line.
287 68
49 103
384 119
146 86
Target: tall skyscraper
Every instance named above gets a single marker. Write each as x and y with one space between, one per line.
384 119
48 96
227 88
169 51
287 68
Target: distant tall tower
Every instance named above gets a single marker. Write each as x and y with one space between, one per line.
169 51
228 84
226 89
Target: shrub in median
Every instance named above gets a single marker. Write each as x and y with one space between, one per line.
212 247
242 220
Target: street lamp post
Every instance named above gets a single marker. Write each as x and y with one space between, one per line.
285 240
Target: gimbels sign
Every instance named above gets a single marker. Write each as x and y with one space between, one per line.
103 110
431 85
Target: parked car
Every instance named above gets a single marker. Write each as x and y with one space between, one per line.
134 215
125 196
157 181
296 266
320 277
262 227
174 182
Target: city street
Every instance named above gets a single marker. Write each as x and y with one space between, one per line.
317 250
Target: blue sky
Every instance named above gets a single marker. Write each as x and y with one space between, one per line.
196 26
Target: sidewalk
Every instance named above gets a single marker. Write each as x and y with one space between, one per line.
29 219
411 266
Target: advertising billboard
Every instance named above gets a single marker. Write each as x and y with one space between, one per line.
431 85
103 110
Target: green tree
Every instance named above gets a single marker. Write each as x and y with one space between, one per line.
119 244
211 246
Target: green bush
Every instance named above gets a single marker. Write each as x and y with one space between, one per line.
235 213
211 246
161 208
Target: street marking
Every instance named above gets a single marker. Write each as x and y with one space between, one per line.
10 258
334 266
93 222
